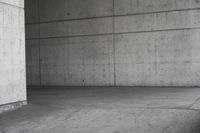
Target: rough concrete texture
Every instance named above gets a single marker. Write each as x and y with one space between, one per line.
106 110
75 28
31 11
32 31
123 7
150 42
32 50
12 53
17 3
74 9
83 61
153 63
158 21
11 106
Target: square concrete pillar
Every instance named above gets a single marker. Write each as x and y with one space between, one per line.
12 55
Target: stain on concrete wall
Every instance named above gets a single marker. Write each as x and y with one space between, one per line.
12 52
113 42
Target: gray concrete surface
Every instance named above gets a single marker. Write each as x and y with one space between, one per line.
144 6
106 110
16 3
113 42
11 106
12 52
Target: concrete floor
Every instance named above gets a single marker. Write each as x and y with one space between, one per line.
106 110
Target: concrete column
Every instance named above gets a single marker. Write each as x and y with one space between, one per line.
12 55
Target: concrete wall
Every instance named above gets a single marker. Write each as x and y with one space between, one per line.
113 42
12 52
72 46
